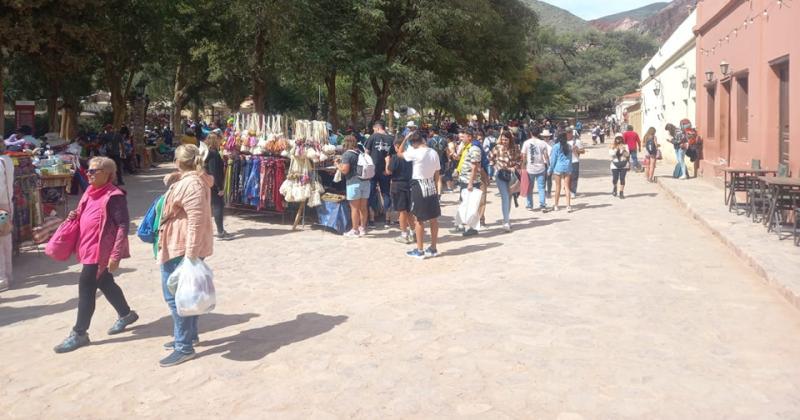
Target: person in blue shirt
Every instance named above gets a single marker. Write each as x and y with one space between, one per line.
561 168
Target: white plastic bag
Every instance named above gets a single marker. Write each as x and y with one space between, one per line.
468 213
195 294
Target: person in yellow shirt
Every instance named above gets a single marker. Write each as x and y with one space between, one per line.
189 138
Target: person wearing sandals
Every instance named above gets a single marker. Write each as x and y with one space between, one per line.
358 190
620 163
401 172
561 169
424 197
103 218
505 159
185 231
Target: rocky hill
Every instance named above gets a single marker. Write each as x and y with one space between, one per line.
559 19
662 24
628 20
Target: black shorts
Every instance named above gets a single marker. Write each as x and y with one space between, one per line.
425 200
401 197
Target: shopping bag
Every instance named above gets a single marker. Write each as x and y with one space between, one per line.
65 241
195 294
468 214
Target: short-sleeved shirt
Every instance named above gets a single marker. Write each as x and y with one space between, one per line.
632 140
402 172
474 155
576 145
425 160
534 150
379 146
350 157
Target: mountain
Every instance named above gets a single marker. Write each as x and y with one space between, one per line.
662 24
628 20
559 19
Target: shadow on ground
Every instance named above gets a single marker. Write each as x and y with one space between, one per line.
163 327
257 343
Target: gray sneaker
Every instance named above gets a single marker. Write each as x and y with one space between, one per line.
175 358
73 342
123 323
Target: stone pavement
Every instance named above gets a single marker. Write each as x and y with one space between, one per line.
620 310
776 261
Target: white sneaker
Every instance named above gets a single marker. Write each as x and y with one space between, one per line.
507 227
351 234
362 233
684 177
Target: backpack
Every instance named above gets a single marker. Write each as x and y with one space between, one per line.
148 229
439 145
366 167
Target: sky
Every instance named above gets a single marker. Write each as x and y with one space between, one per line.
593 9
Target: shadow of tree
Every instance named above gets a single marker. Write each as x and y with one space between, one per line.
257 343
469 249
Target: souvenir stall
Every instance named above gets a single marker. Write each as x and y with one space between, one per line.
302 184
41 202
255 154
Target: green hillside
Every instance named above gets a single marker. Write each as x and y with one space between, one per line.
635 14
557 18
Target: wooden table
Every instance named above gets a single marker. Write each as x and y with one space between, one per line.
779 186
736 178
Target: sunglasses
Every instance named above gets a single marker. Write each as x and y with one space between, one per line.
93 171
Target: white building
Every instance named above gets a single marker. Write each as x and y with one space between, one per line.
669 84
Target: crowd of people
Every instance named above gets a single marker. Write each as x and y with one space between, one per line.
405 174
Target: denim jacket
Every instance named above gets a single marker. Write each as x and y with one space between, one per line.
560 162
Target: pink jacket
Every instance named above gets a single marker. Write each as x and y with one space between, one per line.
113 243
186 228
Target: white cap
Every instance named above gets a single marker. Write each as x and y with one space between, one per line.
411 124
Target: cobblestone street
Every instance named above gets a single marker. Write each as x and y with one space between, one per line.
623 309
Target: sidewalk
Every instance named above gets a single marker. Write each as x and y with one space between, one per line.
776 261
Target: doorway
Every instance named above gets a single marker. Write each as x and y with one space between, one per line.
725 122
782 71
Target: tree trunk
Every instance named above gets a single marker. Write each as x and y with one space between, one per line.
52 112
355 102
2 101
119 104
179 97
259 82
391 117
333 109
381 89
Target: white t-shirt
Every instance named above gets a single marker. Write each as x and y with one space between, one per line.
575 144
426 162
535 150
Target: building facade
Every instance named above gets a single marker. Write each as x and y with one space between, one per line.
749 83
669 85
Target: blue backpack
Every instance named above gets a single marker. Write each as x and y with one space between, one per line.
148 229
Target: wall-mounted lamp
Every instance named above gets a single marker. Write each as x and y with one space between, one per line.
657 90
685 84
709 76
724 67
693 82
652 71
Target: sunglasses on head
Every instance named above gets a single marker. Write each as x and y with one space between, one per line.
93 171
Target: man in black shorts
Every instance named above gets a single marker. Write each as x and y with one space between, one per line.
400 170
424 195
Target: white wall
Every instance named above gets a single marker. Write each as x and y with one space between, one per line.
675 62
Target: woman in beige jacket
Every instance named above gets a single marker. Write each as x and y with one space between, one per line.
185 231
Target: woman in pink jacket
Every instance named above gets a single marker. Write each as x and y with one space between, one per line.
185 231
103 241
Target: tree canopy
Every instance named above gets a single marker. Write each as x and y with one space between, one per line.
447 57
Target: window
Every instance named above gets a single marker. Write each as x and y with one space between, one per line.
742 114
711 112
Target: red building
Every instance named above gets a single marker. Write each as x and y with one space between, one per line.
748 52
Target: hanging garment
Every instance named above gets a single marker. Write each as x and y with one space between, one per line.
252 186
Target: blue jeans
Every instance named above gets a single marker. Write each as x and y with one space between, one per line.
539 178
184 328
635 160
680 154
505 199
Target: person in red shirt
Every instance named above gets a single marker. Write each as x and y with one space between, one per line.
634 145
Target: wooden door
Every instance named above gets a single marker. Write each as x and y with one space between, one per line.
783 113
725 123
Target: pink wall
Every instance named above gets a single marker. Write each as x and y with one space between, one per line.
749 51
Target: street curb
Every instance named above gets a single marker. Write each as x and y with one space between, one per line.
772 280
